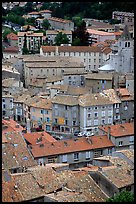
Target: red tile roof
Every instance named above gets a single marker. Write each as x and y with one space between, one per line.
11 49
120 130
45 11
69 146
12 36
105 50
32 137
11 126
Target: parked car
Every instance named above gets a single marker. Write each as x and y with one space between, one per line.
80 134
76 133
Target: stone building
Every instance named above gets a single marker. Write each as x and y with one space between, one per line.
92 57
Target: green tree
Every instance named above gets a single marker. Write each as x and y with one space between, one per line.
46 25
76 42
61 39
5 33
30 21
123 196
25 50
82 34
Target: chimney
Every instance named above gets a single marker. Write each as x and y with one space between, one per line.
108 133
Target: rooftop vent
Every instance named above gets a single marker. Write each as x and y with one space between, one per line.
41 145
17 126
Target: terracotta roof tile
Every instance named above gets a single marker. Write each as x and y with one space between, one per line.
32 137
11 126
45 11
120 130
69 146
9 194
11 49
12 36
15 152
96 32
76 49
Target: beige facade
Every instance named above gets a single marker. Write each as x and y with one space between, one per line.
34 40
41 114
42 67
92 57
99 81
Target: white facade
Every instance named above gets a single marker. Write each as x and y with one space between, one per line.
91 59
93 116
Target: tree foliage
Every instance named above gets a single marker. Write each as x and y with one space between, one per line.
61 39
46 25
123 196
81 34
25 50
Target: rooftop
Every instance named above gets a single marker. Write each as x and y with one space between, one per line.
43 103
118 176
42 138
96 32
94 99
59 20
15 153
119 130
11 126
70 146
111 93
98 76
65 100
29 33
76 49
55 32
12 36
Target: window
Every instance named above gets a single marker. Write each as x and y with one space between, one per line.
103 113
88 155
128 44
95 114
103 122
56 120
56 112
76 156
89 123
4 106
95 122
89 115
89 108
125 44
3 100
4 112
94 60
48 119
11 100
117 105
64 158
89 60
110 113
74 122
48 128
33 109
120 143
66 107
131 139
95 107
109 120
55 106
66 122
42 111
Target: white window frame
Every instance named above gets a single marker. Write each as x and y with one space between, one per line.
88 155
109 120
110 113
95 122
64 158
76 156
120 143
131 139
103 113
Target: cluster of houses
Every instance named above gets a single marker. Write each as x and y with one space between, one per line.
37 167
51 98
